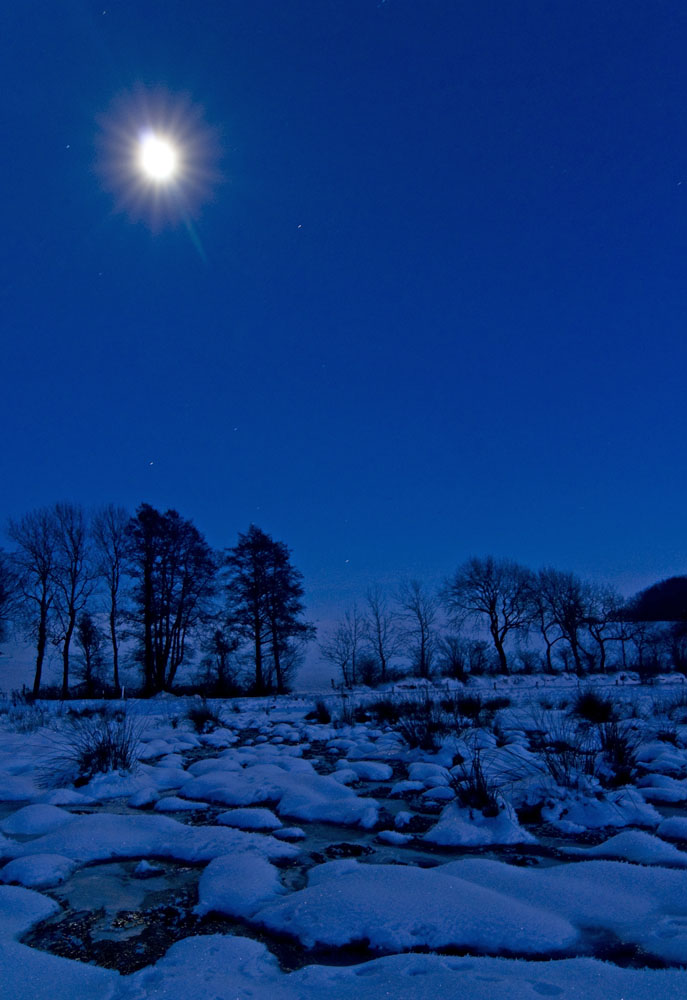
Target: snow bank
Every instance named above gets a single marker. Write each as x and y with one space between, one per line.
102 836
395 907
42 871
468 827
35 820
237 885
239 967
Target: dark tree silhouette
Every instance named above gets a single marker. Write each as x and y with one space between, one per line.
265 605
89 641
343 645
665 601
109 543
8 594
565 600
499 591
381 631
73 577
419 610
173 571
33 562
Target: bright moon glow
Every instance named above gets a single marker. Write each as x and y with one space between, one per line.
158 158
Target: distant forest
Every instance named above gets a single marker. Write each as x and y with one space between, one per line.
109 589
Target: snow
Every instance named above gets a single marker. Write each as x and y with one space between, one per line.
632 888
99 837
397 907
250 819
234 967
27 974
41 871
36 820
238 885
638 846
642 906
470 828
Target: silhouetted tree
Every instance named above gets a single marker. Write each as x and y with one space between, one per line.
89 640
218 666
73 576
498 591
565 603
33 563
8 594
109 527
665 601
419 610
173 570
380 627
265 605
343 645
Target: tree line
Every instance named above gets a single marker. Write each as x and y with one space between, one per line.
496 615
161 590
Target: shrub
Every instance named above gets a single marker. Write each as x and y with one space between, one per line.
320 713
474 790
94 746
593 707
203 718
385 710
619 746
422 724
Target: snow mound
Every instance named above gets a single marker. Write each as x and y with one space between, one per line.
250 819
468 827
395 907
638 846
99 837
41 871
237 885
36 820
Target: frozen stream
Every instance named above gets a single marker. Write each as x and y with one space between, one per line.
175 850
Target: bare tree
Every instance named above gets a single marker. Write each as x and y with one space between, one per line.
89 641
33 562
419 611
604 614
565 602
499 591
343 646
8 595
73 576
109 543
380 629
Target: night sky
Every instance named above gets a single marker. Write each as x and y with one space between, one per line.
427 301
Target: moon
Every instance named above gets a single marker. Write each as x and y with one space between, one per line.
157 158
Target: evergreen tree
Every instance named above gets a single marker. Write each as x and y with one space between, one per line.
265 606
173 570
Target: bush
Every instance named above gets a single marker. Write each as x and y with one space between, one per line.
385 710
474 790
320 713
421 724
203 718
94 746
594 707
619 745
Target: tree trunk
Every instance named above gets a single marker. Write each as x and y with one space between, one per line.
115 648
65 658
259 679
40 650
500 651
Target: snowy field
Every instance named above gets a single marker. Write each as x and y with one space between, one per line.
519 839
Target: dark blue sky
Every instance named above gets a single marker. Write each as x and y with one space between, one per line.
441 305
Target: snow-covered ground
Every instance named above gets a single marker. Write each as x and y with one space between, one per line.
526 851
